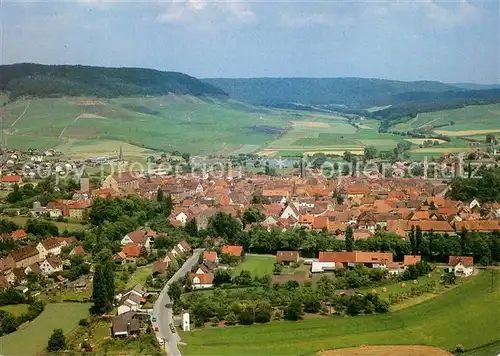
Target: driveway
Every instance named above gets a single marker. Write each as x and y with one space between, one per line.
165 314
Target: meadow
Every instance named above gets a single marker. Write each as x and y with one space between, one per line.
467 315
478 117
330 136
15 309
32 337
85 127
187 123
70 226
257 265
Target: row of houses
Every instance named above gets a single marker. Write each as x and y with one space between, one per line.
42 259
334 260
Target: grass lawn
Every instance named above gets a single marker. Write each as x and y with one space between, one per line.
32 337
139 276
396 288
15 309
70 226
467 315
258 265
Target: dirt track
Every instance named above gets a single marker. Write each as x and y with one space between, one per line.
395 350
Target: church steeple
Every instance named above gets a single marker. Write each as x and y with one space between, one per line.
120 156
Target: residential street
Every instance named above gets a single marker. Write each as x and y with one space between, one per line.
165 315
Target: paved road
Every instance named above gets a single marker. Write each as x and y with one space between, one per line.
165 315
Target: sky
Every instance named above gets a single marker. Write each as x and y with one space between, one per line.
452 41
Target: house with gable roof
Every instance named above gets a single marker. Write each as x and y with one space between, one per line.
462 266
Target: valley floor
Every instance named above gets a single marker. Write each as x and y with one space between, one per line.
467 315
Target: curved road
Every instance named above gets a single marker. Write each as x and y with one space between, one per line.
164 314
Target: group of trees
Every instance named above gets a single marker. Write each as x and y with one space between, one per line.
43 192
10 322
485 186
27 79
261 302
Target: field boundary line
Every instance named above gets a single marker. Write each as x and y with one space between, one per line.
22 114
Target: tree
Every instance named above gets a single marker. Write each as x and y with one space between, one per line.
224 225
311 304
244 278
448 277
167 205
175 291
293 310
418 239
349 241
191 227
57 341
103 288
252 215
370 152
263 312
221 277
411 238
159 195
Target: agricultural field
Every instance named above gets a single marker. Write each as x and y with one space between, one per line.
467 315
334 136
168 122
470 120
57 315
257 265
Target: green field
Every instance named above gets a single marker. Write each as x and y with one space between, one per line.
258 265
479 117
15 309
70 226
467 315
187 123
32 338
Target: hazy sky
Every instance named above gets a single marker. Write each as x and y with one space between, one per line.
453 41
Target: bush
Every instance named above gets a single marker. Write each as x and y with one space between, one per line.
83 322
459 349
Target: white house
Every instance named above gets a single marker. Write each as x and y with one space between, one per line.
50 265
182 217
199 189
290 210
474 203
462 266
322 266
131 300
143 237
48 247
202 281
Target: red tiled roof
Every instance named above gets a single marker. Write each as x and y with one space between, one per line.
353 257
287 256
467 261
132 250
478 225
232 250
11 179
206 278
78 250
19 234
411 260
425 225
210 256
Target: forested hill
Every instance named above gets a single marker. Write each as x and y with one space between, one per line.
76 80
352 92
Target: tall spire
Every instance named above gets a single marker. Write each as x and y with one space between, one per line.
120 156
